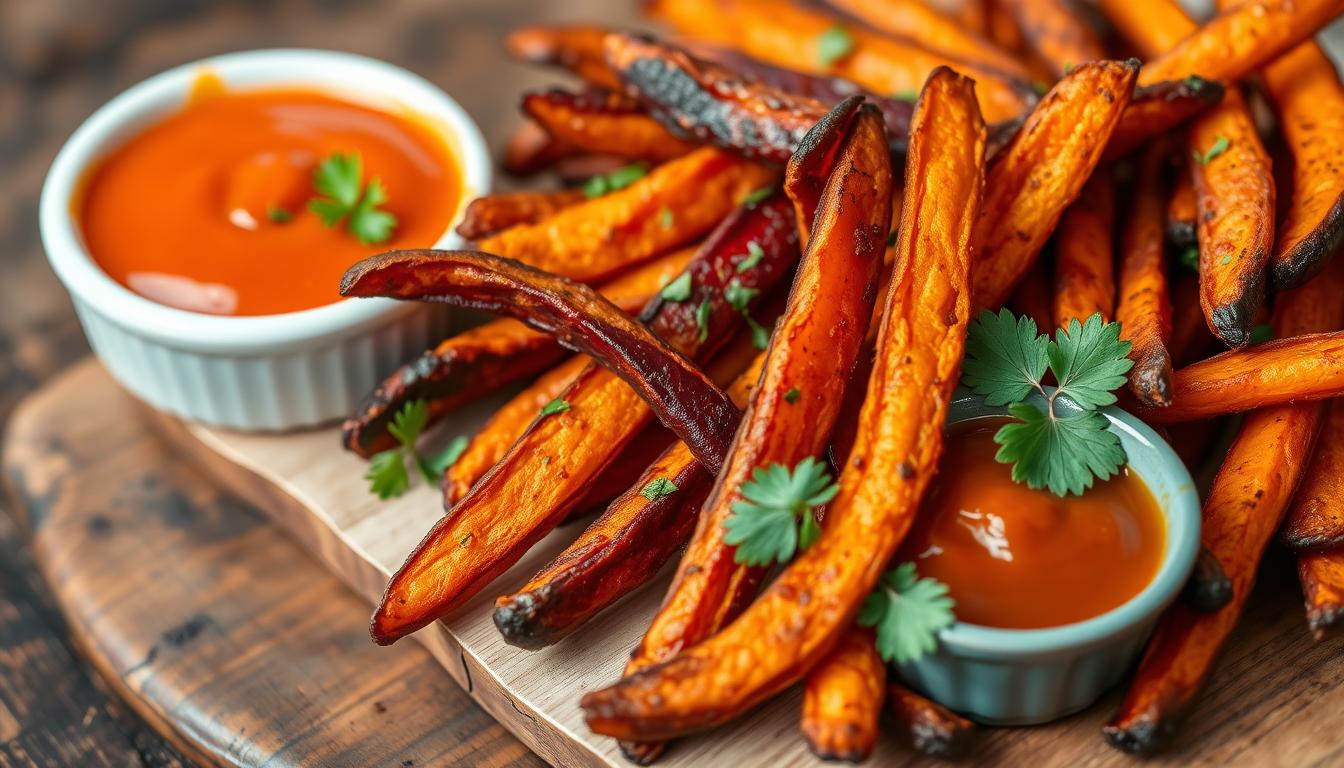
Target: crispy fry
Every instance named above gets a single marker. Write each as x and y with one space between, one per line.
621 551
552 465
842 699
1085 254
1144 309
1156 109
597 237
1307 367
510 422
1244 507
482 359
1190 339
1240 40
1032 297
575 47
915 21
927 726
1042 171
492 214
603 122
1152 27
1316 519
1208 589
788 35
798 619
815 345
1056 33
1234 184
1183 208
1322 575
1306 92
531 150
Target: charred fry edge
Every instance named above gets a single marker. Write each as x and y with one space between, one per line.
842 699
609 123
928 727
1144 310
489 215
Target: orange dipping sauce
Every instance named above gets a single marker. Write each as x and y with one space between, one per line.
1017 558
182 212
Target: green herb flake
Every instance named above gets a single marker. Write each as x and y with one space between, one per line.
618 179
679 289
891 238
665 218
658 488
834 44
278 215
702 314
1189 258
1220 145
754 255
758 196
793 395
558 405
910 96
739 296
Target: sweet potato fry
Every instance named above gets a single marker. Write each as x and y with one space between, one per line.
1240 40
1085 254
603 122
1307 367
815 345
1156 109
1042 171
1243 508
510 422
598 237
482 359
547 472
790 36
532 150
492 214
842 699
1305 90
1190 338
927 726
575 47
1234 186
621 551
1316 519
1183 209
1152 27
1056 33
926 26
802 614
1322 575
1144 309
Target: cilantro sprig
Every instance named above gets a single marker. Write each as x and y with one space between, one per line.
388 476
346 198
1005 360
907 611
774 518
619 179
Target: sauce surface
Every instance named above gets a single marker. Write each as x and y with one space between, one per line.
182 212
1017 558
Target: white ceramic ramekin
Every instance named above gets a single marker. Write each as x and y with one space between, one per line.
267 372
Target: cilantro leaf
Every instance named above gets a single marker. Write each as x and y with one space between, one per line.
1005 358
434 467
658 488
834 44
754 255
618 179
409 421
338 179
1061 453
368 224
387 474
769 523
907 612
558 405
1089 361
679 289
758 196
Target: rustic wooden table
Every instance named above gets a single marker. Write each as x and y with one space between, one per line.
60 59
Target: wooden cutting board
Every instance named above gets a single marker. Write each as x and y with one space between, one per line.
1276 698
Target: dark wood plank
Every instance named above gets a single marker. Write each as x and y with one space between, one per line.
223 633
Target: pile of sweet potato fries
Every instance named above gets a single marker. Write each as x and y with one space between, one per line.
865 175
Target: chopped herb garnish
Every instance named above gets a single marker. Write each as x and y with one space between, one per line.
1040 87
774 519
739 296
1220 145
658 488
702 313
760 335
1190 258
665 217
911 96
1068 67
278 215
1227 259
793 394
387 473
754 255
907 612
834 44
758 196
339 178
891 238
558 405
679 289
618 179
1005 360
1262 333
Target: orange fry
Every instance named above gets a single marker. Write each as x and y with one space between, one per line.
492 214
1084 254
1152 27
842 699
1322 575
576 47
802 614
922 24
792 36
1056 33
1316 519
1042 171
597 237
1144 310
603 122
1183 209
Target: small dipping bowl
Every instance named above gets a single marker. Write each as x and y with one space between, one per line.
1030 676
264 372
